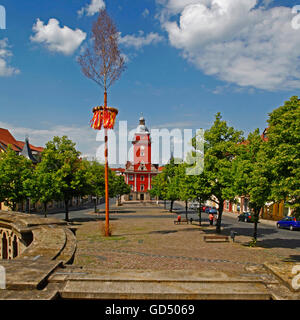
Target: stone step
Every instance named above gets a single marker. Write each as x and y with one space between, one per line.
28 274
139 284
127 289
29 294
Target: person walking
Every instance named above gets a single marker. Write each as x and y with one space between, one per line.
211 219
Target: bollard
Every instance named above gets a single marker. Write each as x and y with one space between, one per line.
232 235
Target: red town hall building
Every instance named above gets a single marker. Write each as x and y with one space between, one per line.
139 173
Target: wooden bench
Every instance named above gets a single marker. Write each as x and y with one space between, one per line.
181 221
216 238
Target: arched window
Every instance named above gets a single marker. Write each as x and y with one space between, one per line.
4 247
15 247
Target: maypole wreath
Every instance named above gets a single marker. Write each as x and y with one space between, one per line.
104 116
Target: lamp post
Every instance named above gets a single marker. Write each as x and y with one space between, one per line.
105 116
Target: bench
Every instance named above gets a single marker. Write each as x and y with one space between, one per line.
216 238
184 221
181 221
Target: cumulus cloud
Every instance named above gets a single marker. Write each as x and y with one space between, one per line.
5 54
92 8
240 42
140 40
56 38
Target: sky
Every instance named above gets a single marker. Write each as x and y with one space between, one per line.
186 60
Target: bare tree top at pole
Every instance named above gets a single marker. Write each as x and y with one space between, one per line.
102 61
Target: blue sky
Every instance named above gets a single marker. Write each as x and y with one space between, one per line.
186 61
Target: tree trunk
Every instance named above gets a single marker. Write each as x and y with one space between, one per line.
199 214
186 210
220 211
95 204
45 209
67 210
171 206
256 218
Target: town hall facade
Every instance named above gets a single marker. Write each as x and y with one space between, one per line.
140 173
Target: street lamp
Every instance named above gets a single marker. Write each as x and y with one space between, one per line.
105 116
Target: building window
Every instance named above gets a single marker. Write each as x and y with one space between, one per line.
142 153
131 177
142 178
142 187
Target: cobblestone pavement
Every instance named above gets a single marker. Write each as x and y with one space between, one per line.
147 243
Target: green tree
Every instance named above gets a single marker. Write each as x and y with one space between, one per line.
172 187
70 173
42 186
283 152
15 170
96 181
119 187
220 147
200 190
252 175
159 187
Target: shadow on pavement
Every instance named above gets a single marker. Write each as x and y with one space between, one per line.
293 258
248 231
163 231
279 243
82 220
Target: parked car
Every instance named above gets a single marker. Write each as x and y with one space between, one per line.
246 217
194 205
291 223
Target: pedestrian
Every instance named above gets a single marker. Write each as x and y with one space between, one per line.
211 219
215 218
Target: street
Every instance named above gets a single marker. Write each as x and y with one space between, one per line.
268 235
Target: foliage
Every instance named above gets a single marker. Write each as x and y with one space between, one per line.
252 174
220 147
15 170
69 173
283 153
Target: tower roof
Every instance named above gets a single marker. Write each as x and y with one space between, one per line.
141 128
26 152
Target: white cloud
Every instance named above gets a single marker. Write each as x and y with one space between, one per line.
94 7
240 42
5 54
84 137
140 40
56 38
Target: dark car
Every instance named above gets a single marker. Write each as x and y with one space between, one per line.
291 223
246 217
